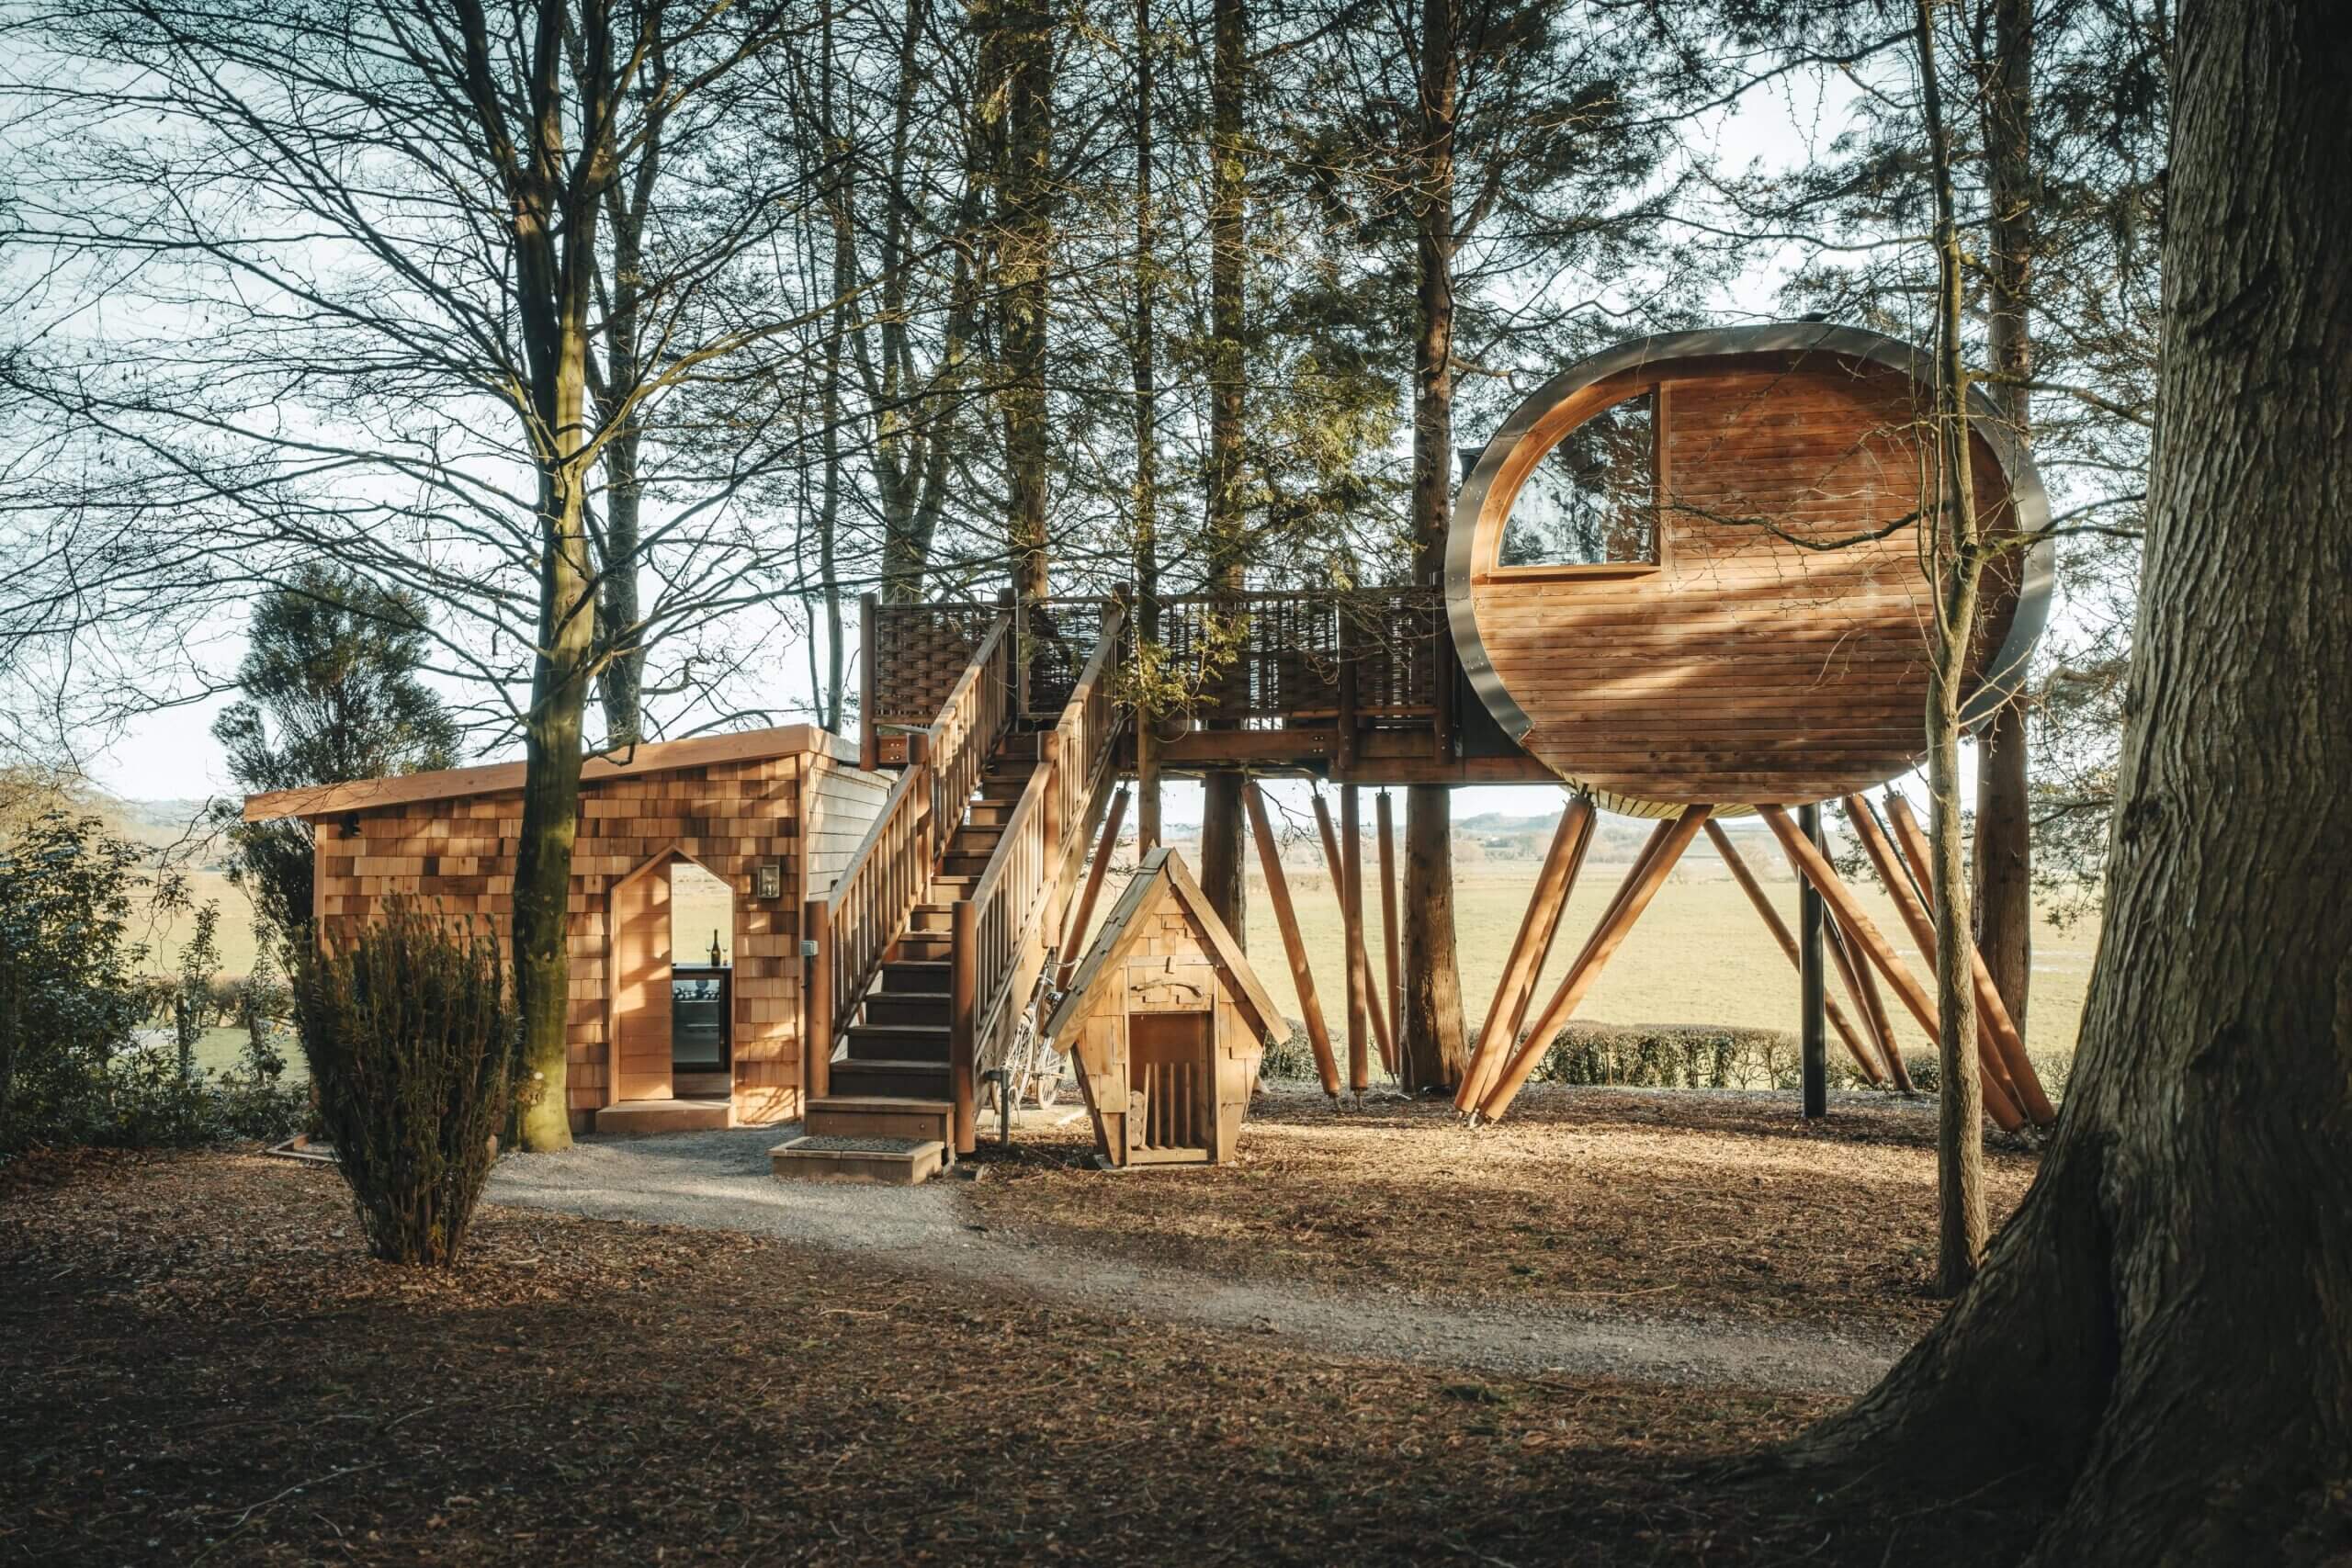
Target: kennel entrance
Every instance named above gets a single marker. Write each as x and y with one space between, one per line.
1171 1085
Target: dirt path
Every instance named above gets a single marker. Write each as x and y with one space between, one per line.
720 1180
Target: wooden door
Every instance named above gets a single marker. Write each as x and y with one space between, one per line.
641 981
1172 1089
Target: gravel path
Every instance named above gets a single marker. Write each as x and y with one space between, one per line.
719 1180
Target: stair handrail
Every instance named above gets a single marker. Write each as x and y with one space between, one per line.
1001 931
848 929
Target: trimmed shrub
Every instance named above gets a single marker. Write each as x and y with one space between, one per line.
414 1042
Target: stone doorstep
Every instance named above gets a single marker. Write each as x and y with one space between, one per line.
886 1162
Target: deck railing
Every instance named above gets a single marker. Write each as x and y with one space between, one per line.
850 928
1002 934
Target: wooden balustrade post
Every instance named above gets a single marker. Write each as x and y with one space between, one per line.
1344 648
1294 946
1049 757
816 996
963 1016
869 739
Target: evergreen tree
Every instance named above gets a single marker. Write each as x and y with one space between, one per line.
332 694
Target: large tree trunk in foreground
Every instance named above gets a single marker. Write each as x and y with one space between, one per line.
1429 1044
2160 1345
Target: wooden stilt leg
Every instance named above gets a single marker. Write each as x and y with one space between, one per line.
1270 858
1528 951
1347 879
1990 1007
1648 877
1861 929
1914 907
1084 914
1391 930
1862 989
1780 933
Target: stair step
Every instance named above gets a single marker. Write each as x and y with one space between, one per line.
879 1116
897 1042
949 886
892 1008
890 1079
919 975
923 947
971 841
937 917
987 813
963 867
880 1160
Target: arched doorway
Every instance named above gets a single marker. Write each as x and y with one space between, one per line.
671 994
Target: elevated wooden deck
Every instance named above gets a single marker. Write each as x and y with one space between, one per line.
1358 687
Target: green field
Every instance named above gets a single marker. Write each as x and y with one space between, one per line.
1699 955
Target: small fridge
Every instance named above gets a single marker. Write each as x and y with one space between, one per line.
700 995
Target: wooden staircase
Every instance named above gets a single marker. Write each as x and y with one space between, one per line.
889 1080
923 953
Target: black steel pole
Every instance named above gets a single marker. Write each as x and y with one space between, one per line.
1814 1004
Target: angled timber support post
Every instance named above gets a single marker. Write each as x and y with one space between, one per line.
962 1017
1092 890
1270 857
1537 929
1812 1043
1862 989
1990 1008
1343 856
1740 873
1642 882
1912 904
817 989
869 739
1815 868
1392 932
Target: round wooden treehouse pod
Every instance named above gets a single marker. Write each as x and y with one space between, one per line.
1688 571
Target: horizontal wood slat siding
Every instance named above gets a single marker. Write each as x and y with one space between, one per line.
1747 667
729 818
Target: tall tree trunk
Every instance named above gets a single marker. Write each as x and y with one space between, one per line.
2159 1347
1146 389
840 199
557 192
1957 561
1222 862
1027 242
2004 891
1430 1036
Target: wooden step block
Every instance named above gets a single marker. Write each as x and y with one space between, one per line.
643 1118
879 1116
883 1162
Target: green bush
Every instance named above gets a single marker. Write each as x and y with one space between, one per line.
413 1043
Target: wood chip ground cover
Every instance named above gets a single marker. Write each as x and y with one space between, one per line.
200 1364
1648 1203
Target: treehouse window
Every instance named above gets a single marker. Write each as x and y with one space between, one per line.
1592 498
